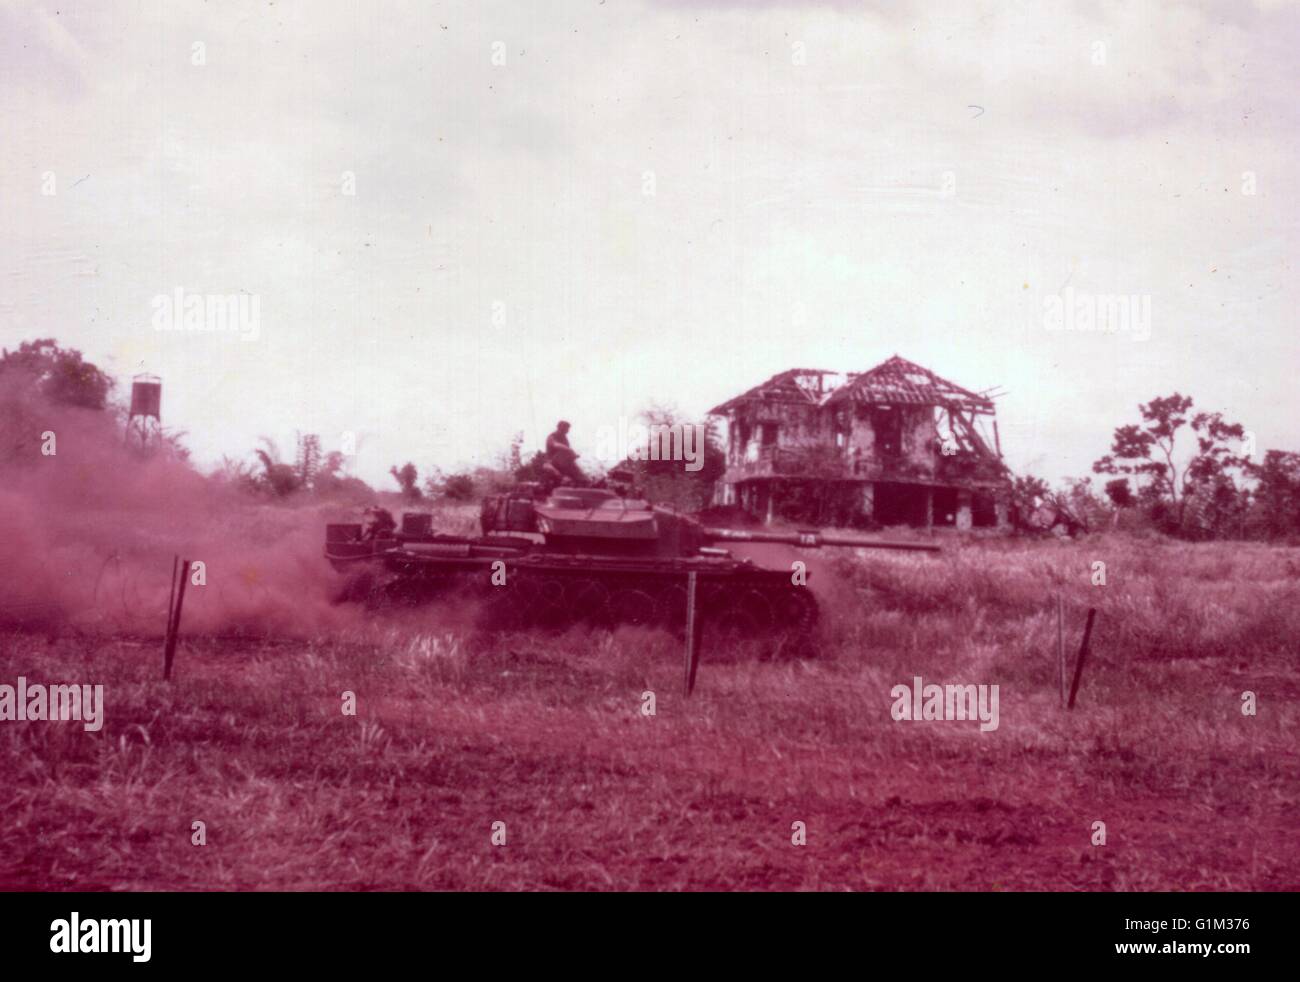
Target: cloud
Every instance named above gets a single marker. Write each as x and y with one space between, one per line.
39 52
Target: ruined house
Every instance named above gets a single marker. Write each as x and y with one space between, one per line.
896 445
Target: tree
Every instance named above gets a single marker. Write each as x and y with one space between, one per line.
1075 508
458 487
514 457
1119 493
461 487
1028 495
332 465
407 477
236 473
1078 506
308 460
668 481
278 478
59 375
332 482
534 471
1277 494
1150 450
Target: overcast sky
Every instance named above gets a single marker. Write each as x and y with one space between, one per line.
652 202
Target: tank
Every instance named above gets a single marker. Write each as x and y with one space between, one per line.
573 555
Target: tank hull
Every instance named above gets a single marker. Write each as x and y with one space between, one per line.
517 586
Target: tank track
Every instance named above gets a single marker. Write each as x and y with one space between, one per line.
742 611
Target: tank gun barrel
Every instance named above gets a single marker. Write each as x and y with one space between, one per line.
813 540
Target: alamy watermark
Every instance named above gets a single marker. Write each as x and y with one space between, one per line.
52 703
655 441
921 703
239 313
103 935
1102 313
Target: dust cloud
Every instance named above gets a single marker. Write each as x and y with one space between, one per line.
88 534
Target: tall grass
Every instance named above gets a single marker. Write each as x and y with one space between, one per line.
546 732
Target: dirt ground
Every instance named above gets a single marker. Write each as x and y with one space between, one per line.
550 734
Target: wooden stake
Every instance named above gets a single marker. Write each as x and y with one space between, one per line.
170 653
692 635
171 604
1060 648
1083 653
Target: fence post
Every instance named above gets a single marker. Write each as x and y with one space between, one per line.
174 625
1083 653
692 634
171 604
1060 648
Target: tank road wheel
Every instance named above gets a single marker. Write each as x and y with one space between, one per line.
738 628
526 595
404 591
711 599
357 587
629 605
378 590
587 600
752 612
794 609
670 608
499 610
549 606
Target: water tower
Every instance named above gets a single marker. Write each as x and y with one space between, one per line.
144 421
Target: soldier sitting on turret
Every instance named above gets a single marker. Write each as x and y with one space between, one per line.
561 458
379 524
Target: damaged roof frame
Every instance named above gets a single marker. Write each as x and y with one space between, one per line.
896 381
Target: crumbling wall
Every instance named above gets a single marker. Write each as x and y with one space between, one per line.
797 428
861 436
800 427
920 438
917 448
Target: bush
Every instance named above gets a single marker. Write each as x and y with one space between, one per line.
458 487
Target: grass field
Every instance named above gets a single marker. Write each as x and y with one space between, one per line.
547 734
